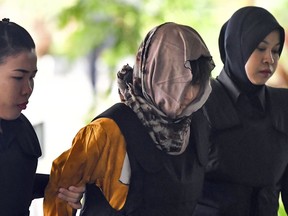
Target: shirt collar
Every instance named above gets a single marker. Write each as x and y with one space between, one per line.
234 91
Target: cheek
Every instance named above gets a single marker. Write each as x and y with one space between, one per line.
7 99
8 93
252 66
32 84
191 93
11 89
249 69
274 65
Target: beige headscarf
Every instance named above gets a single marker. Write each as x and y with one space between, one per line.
162 77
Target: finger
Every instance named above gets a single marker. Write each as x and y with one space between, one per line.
73 192
68 193
68 196
80 189
75 205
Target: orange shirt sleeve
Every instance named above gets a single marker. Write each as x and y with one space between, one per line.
96 156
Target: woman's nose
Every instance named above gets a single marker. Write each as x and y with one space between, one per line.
269 58
28 88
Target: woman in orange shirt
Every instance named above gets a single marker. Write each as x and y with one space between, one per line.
147 154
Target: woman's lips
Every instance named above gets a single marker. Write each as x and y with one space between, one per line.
23 106
266 73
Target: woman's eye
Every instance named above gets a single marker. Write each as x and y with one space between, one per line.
261 49
275 51
18 78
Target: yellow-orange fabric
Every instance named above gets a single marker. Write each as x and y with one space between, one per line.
96 156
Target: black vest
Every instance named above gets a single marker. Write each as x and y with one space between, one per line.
19 154
161 184
248 157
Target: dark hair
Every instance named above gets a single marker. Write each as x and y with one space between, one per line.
201 69
13 39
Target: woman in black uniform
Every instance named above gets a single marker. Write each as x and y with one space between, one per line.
248 162
19 145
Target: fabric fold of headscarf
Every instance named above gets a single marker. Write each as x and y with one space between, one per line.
162 78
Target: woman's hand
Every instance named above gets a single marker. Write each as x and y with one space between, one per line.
72 195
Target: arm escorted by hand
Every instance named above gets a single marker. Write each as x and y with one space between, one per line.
72 195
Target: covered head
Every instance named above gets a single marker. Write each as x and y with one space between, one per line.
172 70
170 81
240 36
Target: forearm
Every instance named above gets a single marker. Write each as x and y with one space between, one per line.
71 168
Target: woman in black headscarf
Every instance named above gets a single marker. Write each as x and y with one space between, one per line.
248 162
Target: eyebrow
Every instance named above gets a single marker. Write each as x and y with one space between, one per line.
25 71
266 42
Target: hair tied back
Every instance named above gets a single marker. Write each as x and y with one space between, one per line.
6 20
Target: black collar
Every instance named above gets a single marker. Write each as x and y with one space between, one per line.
234 91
